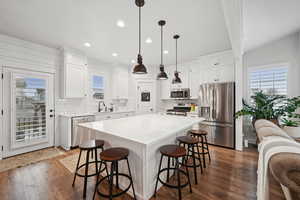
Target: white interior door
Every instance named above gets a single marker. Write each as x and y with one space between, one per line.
28 105
145 97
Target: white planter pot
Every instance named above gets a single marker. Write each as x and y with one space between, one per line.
294 132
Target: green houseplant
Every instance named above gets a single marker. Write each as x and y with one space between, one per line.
290 119
263 106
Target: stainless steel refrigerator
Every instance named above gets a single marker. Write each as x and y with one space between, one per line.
216 105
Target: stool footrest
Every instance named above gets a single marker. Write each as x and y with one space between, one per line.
170 185
89 175
118 193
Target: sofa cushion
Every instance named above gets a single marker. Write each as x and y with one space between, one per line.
271 131
264 123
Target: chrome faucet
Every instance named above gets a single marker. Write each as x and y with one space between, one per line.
99 106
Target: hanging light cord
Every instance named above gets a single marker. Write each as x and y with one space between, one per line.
176 55
161 46
140 32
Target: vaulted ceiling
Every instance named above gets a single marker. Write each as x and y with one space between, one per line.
269 20
71 23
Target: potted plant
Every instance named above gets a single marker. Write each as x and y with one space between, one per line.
263 106
291 127
290 117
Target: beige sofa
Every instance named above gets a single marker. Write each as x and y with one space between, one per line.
284 166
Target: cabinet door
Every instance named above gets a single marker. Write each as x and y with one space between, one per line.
165 86
75 81
120 83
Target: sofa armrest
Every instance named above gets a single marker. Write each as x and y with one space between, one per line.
285 168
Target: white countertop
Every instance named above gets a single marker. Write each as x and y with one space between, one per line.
144 129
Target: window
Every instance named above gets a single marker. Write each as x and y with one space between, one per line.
98 87
271 80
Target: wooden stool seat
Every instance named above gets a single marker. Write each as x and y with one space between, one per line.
198 132
172 150
91 144
187 140
114 154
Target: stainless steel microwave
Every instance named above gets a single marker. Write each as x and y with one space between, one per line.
182 93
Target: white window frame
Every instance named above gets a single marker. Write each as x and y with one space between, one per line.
269 66
91 84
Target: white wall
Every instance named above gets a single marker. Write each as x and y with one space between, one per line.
285 50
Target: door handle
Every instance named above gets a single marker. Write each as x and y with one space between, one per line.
51 115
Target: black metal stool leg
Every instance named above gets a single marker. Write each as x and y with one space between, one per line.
203 152
207 148
129 170
199 158
96 161
178 178
158 175
98 175
168 171
77 167
111 179
194 163
188 176
86 173
117 175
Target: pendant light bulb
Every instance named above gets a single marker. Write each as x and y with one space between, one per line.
140 67
176 79
162 74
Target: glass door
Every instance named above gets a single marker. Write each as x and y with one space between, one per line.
29 113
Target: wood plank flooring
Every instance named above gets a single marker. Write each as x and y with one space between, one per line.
230 175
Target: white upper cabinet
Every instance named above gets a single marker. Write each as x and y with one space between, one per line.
120 82
74 75
212 68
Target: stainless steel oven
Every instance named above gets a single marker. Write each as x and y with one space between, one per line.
182 93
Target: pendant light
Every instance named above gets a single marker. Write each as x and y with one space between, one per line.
140 67
176 79
162 74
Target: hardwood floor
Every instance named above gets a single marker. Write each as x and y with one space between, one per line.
230 175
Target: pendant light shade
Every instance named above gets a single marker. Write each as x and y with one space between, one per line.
176 79
140 67
162 74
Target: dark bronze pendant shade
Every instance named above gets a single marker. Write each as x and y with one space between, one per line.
162 74
140 67
176 79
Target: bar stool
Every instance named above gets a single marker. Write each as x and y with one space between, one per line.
113 156
89 146
202 136
191 143
174 152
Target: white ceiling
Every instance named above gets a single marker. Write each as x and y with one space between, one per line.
269 20
71 23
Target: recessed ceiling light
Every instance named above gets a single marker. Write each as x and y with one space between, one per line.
114 54
87 44
121 23
148 40
132 61
166 51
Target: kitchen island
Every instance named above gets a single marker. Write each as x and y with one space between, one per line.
143 135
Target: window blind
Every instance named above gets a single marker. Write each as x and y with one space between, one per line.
272 81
